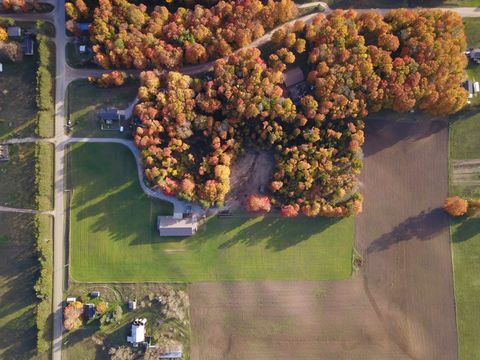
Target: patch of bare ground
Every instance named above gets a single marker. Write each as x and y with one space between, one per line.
466 172
399 306
249 174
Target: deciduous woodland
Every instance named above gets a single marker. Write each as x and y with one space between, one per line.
193 129
125 35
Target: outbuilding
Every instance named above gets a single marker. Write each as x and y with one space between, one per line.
89 311
4 154
177 226
14 32
1 67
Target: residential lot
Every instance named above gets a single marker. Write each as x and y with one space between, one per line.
18 108
86 100
93 340
113 235
17 177
391 309
465 148
18 272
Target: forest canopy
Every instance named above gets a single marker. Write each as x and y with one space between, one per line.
193 129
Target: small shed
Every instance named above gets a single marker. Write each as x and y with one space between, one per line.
82 49
27 45
94 294
14 31
132 304
4 153
137 332
293 77
89 311
173 226
1 67
71 299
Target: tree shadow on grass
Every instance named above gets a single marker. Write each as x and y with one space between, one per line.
466 229
423 226
279 233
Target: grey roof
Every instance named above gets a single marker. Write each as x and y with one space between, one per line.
14 31
170 226
110 114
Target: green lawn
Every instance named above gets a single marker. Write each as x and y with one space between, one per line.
113 236
18 108
464 144
85 101
17 177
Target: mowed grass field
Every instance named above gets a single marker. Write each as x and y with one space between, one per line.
113 235
464 144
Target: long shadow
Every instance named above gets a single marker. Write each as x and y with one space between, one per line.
467 229
381 132
280 233
423 226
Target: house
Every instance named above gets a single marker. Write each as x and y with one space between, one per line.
132 304
110 115
177 225
293 77
475 55
94 294
71 299
4 154
89 311
27 45
14 32
137 332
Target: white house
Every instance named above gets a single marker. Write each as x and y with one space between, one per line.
138 332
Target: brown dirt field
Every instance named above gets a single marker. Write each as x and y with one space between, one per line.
249 172
400 305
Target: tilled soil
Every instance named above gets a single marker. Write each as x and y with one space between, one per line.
399 306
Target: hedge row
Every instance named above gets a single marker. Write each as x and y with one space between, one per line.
44 164
43 286
45 96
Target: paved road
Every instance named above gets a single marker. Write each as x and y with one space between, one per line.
25 211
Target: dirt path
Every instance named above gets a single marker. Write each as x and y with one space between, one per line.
401 304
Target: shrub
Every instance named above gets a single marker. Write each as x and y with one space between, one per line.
455 206
44 175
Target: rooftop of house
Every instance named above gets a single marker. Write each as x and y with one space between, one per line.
27 46
110 114
174 226
293 76
138 331
89 311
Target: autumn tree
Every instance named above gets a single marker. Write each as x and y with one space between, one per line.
3 34
257 203
71 315
455 206
114 78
